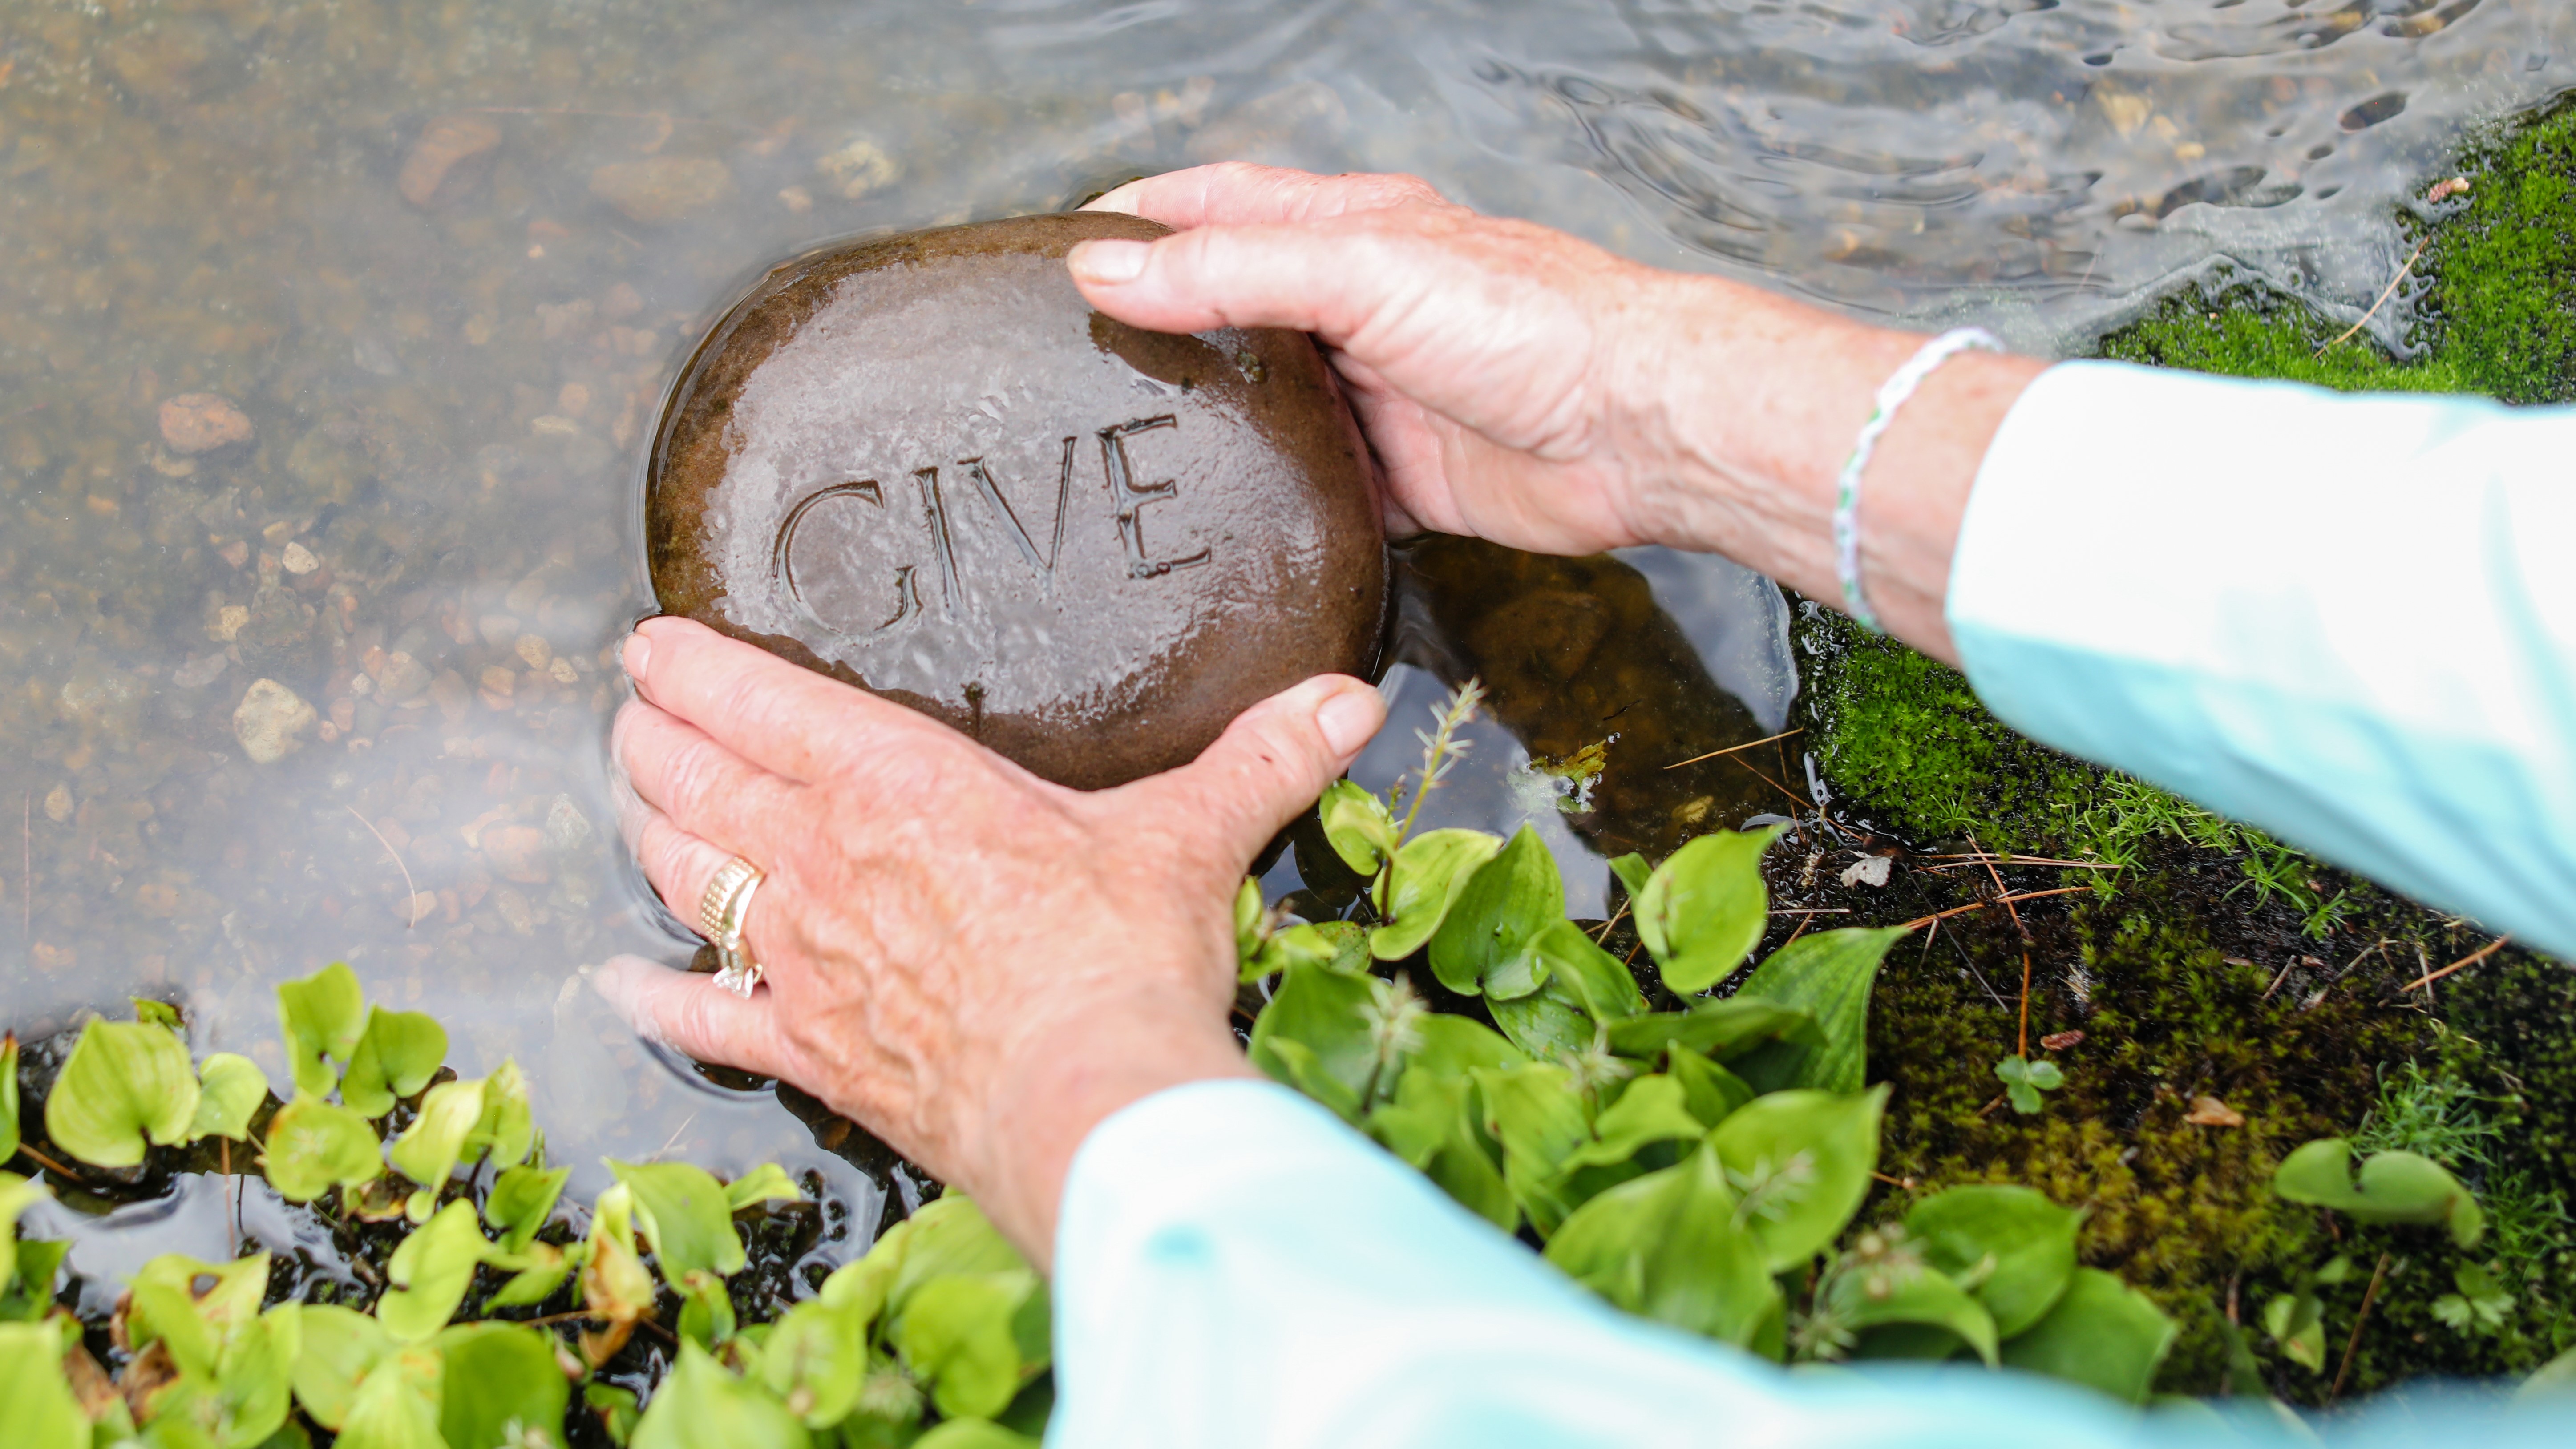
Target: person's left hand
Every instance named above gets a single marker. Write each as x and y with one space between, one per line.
975 964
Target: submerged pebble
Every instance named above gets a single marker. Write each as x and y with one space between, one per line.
200 422
269 720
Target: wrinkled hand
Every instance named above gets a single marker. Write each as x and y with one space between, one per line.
975 964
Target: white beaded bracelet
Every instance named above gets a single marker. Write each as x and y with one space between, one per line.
1891 396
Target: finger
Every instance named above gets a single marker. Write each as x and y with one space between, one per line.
1325 279
688 1012
1237 192
676 768
1268 766
780 716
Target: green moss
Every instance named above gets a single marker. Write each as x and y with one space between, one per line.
2217 963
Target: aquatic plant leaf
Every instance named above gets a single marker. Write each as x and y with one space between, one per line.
314 1146
2010 1246
395 1056
955 1335
8 1096
1431 1126
706 1312
1595 977
766 1183
815 1360
1484 942
614 1284
339 1348
1711 1092
229 1091
1428 875
1633 873
1540 1119
973 1434
321 1018
2395 1187
1704 908
37 1408
1452 1046
396 1406
1828 975
1358 827
125 1082
1721 1027
542 1268
2102 1334
1334 945
429 1149
17 1194
430 1271
681 1211
507 1128
1799 1163
1667 1246
521 1200
155 1013
1546 1024
1651 1110
1881 1295
1324 1013
950 1236
701 1404
198 1306
503 1388
1251 923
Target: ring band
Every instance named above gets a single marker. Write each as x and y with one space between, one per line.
723 910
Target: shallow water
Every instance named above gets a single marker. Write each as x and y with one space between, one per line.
444 257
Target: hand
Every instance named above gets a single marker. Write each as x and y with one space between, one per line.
975 964
1522 386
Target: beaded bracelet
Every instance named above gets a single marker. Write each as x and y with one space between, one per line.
1891 396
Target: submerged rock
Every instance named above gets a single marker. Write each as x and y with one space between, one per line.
200 422
925 466
269 720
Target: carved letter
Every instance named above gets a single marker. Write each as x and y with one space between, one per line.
983 480
907 594
945 546
1130 498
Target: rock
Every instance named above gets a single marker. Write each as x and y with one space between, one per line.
268 721
58 804
278 637
1087 546
857 168
446 157
517 852
1869 870
200 422
662 188
297 559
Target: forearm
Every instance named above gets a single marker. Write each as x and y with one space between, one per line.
1748 405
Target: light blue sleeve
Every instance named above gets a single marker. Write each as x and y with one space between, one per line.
2348 620
1236 1268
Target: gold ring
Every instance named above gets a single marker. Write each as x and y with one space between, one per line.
723 910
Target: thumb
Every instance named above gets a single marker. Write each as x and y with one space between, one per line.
1268 766
1318 277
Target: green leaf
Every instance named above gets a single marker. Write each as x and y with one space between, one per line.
766 1183
125 1082
230 1089
681 1210
1430 1126
951 1235
37 1410
1651 1110
955 1334
1322 1011
2010 1246
1633 873
1490 928
1667 1246
615 1408
1721 1027
320 1016
8 1096
507 1129
2025 1080
815 1360
430 1271
1358 827
429 1149
973 1434
1334 945
614 1285
1250 922
2102 1334
314 1146
1875 1294
1704 908
1429 874
517 1396
1539 1119
199 1307
395 1056
1547 1023
2395 1187
339 1347
546 1268
1598 981
17 1194
1799 1163
521 1200
1711 1092
155 1013
706 1311
396 1407
1828 976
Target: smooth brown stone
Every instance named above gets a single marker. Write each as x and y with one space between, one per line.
925 466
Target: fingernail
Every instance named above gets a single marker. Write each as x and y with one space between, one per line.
637 654
1348 719
1108 261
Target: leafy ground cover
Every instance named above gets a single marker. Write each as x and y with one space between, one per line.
2222 997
